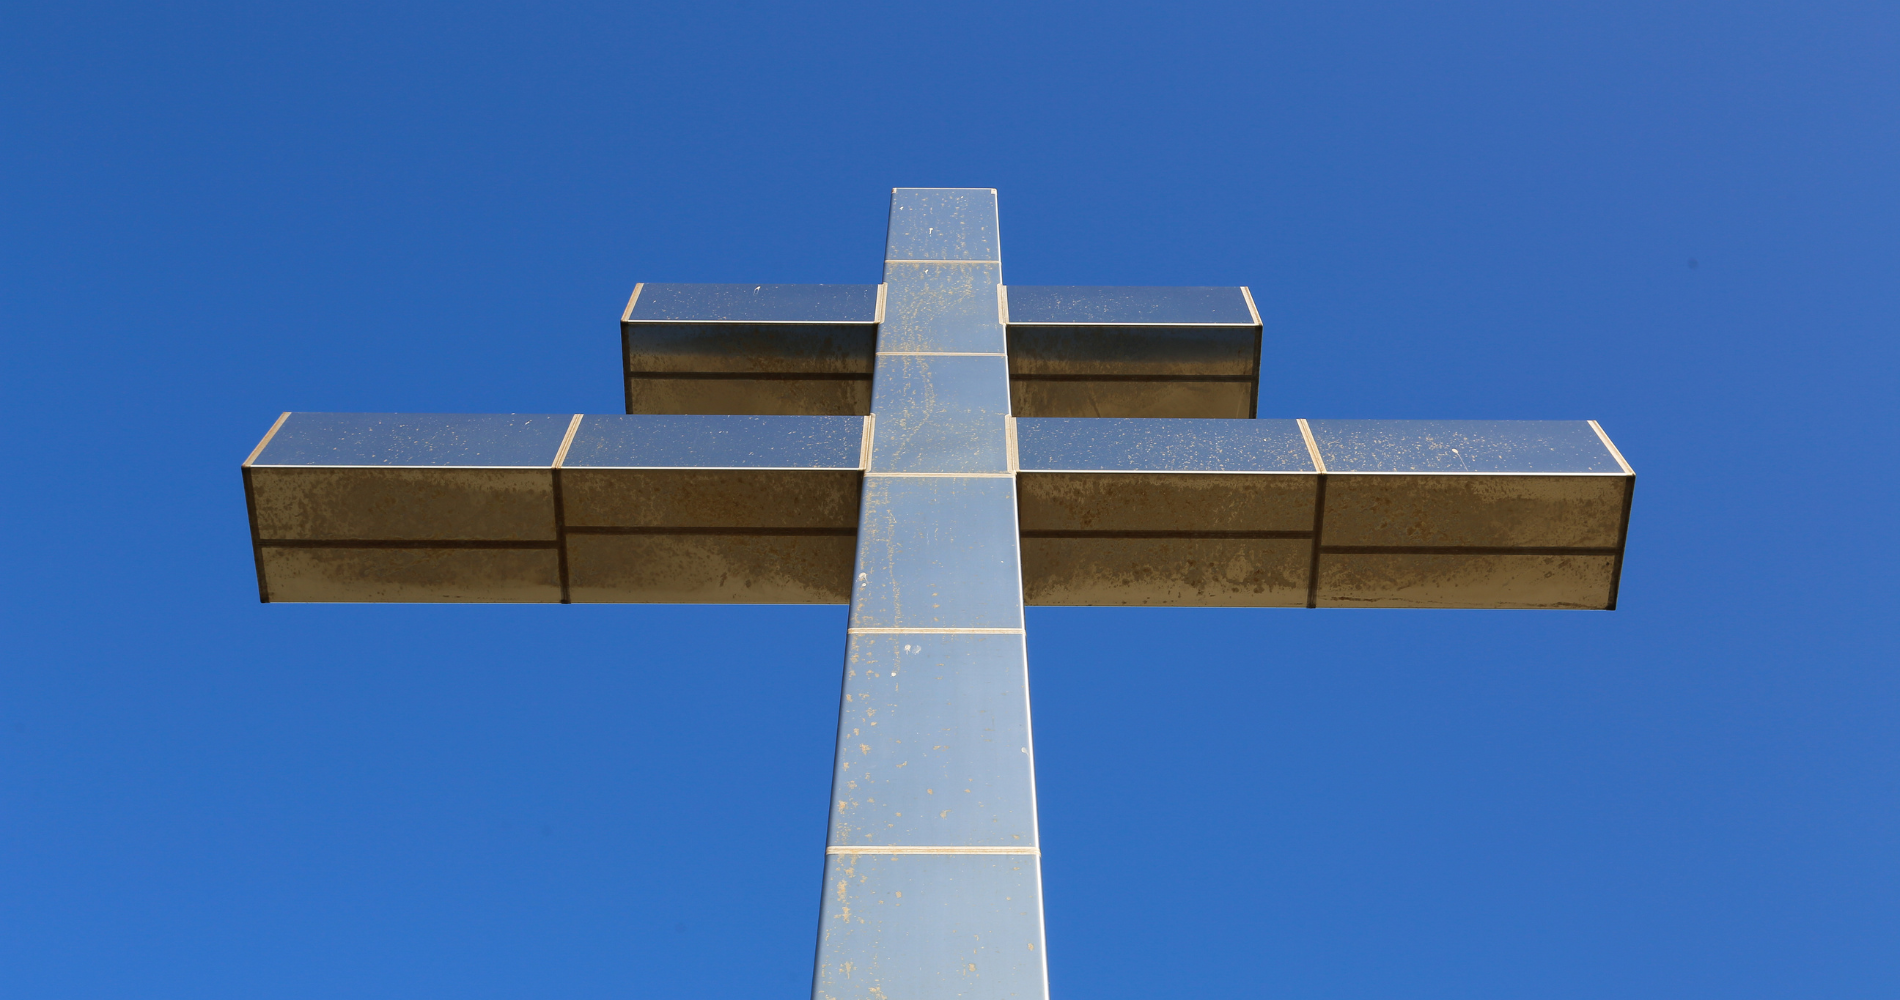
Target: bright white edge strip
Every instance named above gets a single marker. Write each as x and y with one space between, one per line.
932 850
934 631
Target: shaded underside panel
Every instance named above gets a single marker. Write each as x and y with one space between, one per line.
745 509
1484 514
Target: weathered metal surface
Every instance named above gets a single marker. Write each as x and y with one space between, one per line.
387 507
932 927
1465 514
941 413
1132 352
745 349
934 754
752 475
933 742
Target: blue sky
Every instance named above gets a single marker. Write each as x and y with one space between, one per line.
1677 219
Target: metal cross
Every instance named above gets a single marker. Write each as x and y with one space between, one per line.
938 450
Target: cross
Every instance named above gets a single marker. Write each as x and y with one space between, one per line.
938 450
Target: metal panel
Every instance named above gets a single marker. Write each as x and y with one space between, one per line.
933 743
1486 510
1222 516
1034 396
930 927
406 507
1469 446
943 224
749 303
715 567
942 307
812 396
1132 352
427 575
1054 445
1453 580
1470 514
1191 571
774 349
937 552
423 440
940 414
1162 306
716 442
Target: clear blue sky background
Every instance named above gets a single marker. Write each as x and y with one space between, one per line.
1679 219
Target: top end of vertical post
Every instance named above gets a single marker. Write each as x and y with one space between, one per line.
943 224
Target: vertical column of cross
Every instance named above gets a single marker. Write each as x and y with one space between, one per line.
932 881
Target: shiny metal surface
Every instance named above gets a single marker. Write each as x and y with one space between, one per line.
937 552
942 307
934 753
716 442
736 349
940 413
755 303
1079 305
933 738
484 440
943 224
1470 446
640 508
1056 445
931 926
1133 352
1003 466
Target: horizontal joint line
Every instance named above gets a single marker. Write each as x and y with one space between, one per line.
933 631
402 543
1467 550
1188 533
914 260
789 532
933 850
941 475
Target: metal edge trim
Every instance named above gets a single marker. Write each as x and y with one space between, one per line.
864 446
754 322
568 441
1247 293
560 510
1312 446
251 459
1167 472
1009 444
1020 324
1002 303
941 475
997 260
883 289
934 631
626 316
855 851
943 354
1614 453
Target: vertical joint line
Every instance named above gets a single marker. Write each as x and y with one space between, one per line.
250 507
626 346
560 505
1319 513
1623 532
